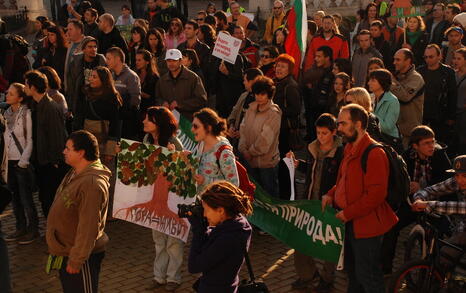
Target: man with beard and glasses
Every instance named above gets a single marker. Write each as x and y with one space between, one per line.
359 198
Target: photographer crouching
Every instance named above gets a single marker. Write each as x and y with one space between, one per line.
218 245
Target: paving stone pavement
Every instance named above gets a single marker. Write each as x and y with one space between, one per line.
127 266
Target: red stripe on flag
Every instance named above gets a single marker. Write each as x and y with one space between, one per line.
291 42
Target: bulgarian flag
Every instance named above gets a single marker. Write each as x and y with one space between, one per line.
295 43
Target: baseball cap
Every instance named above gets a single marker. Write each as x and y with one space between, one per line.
459 165
173 54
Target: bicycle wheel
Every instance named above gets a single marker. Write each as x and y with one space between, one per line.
417 276
414 248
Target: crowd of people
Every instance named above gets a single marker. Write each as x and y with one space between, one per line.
385 80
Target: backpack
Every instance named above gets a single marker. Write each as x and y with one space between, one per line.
20 43
244 183
398 180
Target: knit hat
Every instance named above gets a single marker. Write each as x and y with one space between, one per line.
460 19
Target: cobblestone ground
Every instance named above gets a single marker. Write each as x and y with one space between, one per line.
127 266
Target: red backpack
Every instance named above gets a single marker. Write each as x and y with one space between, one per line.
244 183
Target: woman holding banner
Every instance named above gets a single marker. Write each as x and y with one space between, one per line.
160 127
215 153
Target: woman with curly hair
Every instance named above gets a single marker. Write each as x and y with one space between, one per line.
206 35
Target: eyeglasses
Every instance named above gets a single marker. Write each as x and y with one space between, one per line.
265 56
195 126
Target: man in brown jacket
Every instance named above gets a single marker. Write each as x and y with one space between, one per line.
180 88
75 226
408 87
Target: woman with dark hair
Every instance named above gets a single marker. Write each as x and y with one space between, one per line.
342 65
386 105
190 60
155 45
160 126
39 26
54 52
267 61
175 34
148 75
224 240
54 86
279 37
101 111
416 38
373 64
259 136
370 15
18 148
341 84
215 153
138 36
206 35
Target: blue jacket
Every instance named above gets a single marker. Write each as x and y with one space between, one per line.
218 254
388 110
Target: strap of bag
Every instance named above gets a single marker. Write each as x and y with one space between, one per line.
461 81
15 138
249 266
217 156
365 155
18 145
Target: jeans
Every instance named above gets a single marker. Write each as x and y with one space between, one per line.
20 182
48 179
267 179
168 258
87 280
363 262
5 285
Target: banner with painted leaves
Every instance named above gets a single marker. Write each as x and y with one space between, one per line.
300 224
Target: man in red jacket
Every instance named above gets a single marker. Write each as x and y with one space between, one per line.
330 37
360 199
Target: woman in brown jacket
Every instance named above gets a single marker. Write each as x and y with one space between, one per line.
259 133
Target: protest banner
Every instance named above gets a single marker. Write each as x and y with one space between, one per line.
151 182
226 47
299 224
406 8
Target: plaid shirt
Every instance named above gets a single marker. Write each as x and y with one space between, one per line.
438 190
422 169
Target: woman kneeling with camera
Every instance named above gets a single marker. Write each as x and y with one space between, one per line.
218 249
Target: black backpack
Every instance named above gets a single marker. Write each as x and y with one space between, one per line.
398 180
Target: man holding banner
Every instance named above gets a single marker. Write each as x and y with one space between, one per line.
360 197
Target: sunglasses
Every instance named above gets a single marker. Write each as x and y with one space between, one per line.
265 56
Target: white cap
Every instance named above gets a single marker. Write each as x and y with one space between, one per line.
173 54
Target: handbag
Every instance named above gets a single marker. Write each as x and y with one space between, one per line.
252 285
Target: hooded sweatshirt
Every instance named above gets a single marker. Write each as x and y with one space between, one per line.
76 221
218 253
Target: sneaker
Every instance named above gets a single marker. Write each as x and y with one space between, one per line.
171 286
300 284
15 236
28 238
154 285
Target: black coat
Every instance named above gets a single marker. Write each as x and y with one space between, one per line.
418 48
218 254
288 98
112 39
439 164
438 33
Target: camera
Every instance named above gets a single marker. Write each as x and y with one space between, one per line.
191 210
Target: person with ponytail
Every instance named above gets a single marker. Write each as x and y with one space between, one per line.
218 249
215 153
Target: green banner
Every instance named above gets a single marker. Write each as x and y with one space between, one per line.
300 224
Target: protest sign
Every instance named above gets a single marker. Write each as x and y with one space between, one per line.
299 224
406 8
151 182
226 47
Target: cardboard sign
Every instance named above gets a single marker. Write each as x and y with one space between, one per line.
226 48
